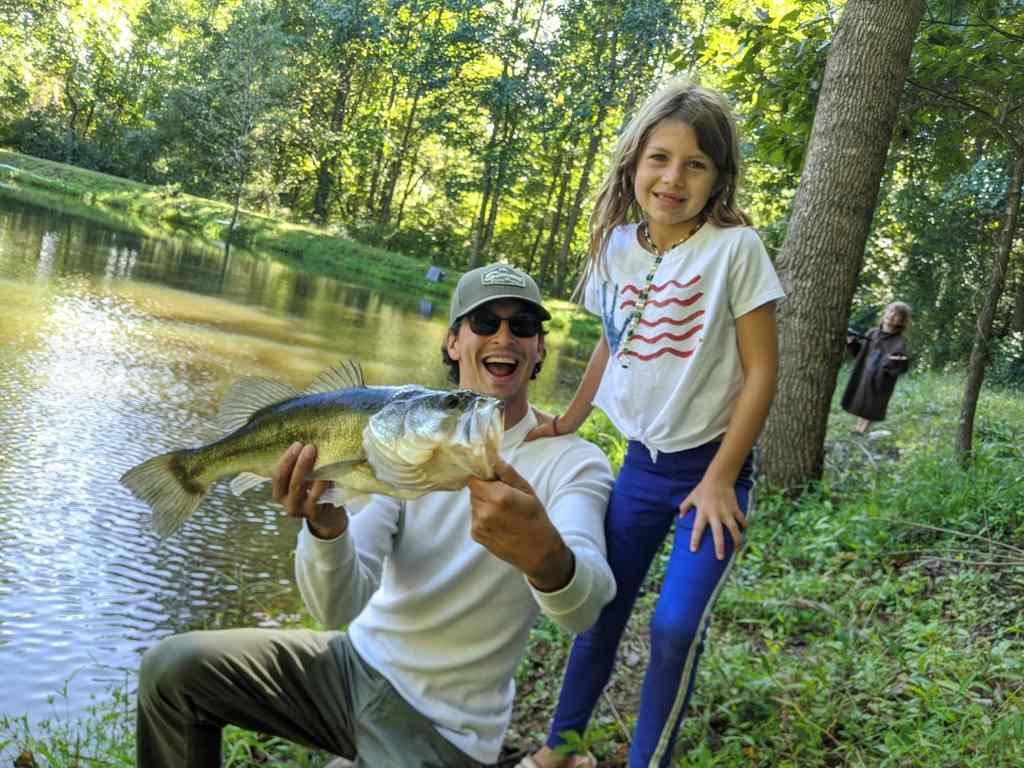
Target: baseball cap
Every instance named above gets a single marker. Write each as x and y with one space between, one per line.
493 282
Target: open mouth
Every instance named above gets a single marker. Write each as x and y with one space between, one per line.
501 366
666 198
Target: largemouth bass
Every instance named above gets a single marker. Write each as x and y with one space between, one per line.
399 441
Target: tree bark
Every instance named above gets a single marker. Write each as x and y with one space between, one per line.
824 247
986 318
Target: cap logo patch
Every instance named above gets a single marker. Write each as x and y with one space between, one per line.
502 275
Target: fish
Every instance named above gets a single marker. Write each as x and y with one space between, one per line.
401 441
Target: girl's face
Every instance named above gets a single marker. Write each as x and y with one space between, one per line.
893 320
673 181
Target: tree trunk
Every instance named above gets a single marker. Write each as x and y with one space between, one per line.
485 188
595 141
538 236
378 160
1017 324
395 167
577 204
414 181
556 223
983 332
824 247
328 163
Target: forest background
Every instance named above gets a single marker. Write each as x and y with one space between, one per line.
464 131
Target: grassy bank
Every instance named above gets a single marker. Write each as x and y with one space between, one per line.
875 622
165 211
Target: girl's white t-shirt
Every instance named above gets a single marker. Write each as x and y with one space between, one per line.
682 371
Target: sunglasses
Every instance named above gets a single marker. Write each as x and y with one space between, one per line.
483 322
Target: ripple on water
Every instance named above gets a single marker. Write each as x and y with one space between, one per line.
85 585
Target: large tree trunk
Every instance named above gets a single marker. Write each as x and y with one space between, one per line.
824 247
983 331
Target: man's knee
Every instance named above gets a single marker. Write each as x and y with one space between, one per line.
171 665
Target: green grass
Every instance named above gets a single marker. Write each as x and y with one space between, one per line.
877 621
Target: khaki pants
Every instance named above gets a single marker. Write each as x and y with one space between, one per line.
309 687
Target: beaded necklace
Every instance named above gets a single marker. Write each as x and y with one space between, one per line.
641 300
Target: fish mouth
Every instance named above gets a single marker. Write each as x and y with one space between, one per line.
484 427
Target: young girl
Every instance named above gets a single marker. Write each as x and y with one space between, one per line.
881 359
686 370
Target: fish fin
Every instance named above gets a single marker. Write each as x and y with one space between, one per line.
345 375
245 481
246 396
172 499
336 471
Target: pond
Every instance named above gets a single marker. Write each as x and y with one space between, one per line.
115 347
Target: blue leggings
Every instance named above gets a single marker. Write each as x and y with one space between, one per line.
644 503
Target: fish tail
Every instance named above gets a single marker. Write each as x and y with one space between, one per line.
167 487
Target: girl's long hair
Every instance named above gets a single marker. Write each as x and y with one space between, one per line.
711 118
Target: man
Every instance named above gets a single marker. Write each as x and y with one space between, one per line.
438 594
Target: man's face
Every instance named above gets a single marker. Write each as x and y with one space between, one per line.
497 363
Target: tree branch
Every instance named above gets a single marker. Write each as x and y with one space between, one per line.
952 99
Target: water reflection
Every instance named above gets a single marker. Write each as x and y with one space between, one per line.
115 347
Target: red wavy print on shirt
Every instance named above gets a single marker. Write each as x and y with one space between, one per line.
660 352
630 288
671 320
665 302
667 335
666 343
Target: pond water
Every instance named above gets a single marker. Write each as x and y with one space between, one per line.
115 347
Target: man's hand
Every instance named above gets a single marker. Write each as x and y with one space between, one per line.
716 507
510 521
299 496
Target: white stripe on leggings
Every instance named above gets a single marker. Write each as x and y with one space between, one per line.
684 683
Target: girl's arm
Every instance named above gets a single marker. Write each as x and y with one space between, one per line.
715 495
582 402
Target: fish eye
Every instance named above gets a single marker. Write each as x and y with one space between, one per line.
451 401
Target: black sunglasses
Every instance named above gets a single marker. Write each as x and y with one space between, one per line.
483 322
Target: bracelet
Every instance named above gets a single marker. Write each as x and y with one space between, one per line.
554 425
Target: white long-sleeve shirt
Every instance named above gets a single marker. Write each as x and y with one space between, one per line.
440 617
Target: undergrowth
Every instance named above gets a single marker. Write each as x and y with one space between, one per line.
875 621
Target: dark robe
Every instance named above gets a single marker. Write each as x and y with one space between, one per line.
874 374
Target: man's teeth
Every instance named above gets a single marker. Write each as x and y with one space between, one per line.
502 366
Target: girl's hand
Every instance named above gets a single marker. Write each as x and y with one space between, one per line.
546 426
716 507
